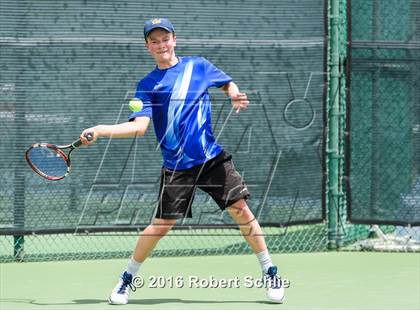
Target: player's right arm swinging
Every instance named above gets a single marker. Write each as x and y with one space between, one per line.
137 127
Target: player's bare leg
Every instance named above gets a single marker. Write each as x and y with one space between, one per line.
145 245
249 226
150 237
252 232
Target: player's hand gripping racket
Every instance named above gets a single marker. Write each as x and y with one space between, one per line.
50 161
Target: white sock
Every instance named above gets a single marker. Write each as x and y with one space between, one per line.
133 266
265 260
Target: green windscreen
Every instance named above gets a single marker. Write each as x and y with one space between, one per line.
385 112
70 65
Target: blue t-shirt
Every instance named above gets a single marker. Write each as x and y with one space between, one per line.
178 102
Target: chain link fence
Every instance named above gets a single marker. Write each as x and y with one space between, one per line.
195 242
384 164
72 64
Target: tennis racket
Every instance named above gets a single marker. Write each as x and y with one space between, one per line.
51 161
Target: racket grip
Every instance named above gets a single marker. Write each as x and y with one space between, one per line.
88 136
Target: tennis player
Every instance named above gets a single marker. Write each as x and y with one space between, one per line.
175 96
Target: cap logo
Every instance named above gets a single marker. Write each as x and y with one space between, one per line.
156 21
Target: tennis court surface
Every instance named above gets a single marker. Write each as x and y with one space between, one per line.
331 280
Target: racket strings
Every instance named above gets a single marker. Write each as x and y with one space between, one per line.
48 161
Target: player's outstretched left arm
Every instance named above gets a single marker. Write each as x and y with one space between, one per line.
239 100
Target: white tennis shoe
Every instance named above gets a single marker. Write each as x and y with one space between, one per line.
275 289
121 292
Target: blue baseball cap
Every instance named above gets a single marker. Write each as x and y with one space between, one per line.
157 23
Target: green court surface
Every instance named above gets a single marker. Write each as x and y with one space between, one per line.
346 280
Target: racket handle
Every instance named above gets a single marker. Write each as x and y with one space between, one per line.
88 136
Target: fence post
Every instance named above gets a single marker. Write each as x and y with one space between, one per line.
19 177
334 152
19 164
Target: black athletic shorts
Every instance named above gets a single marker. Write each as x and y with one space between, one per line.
217 177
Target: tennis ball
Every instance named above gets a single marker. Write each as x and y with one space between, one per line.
135 105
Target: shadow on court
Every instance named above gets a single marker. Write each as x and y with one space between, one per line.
178 300
142 302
